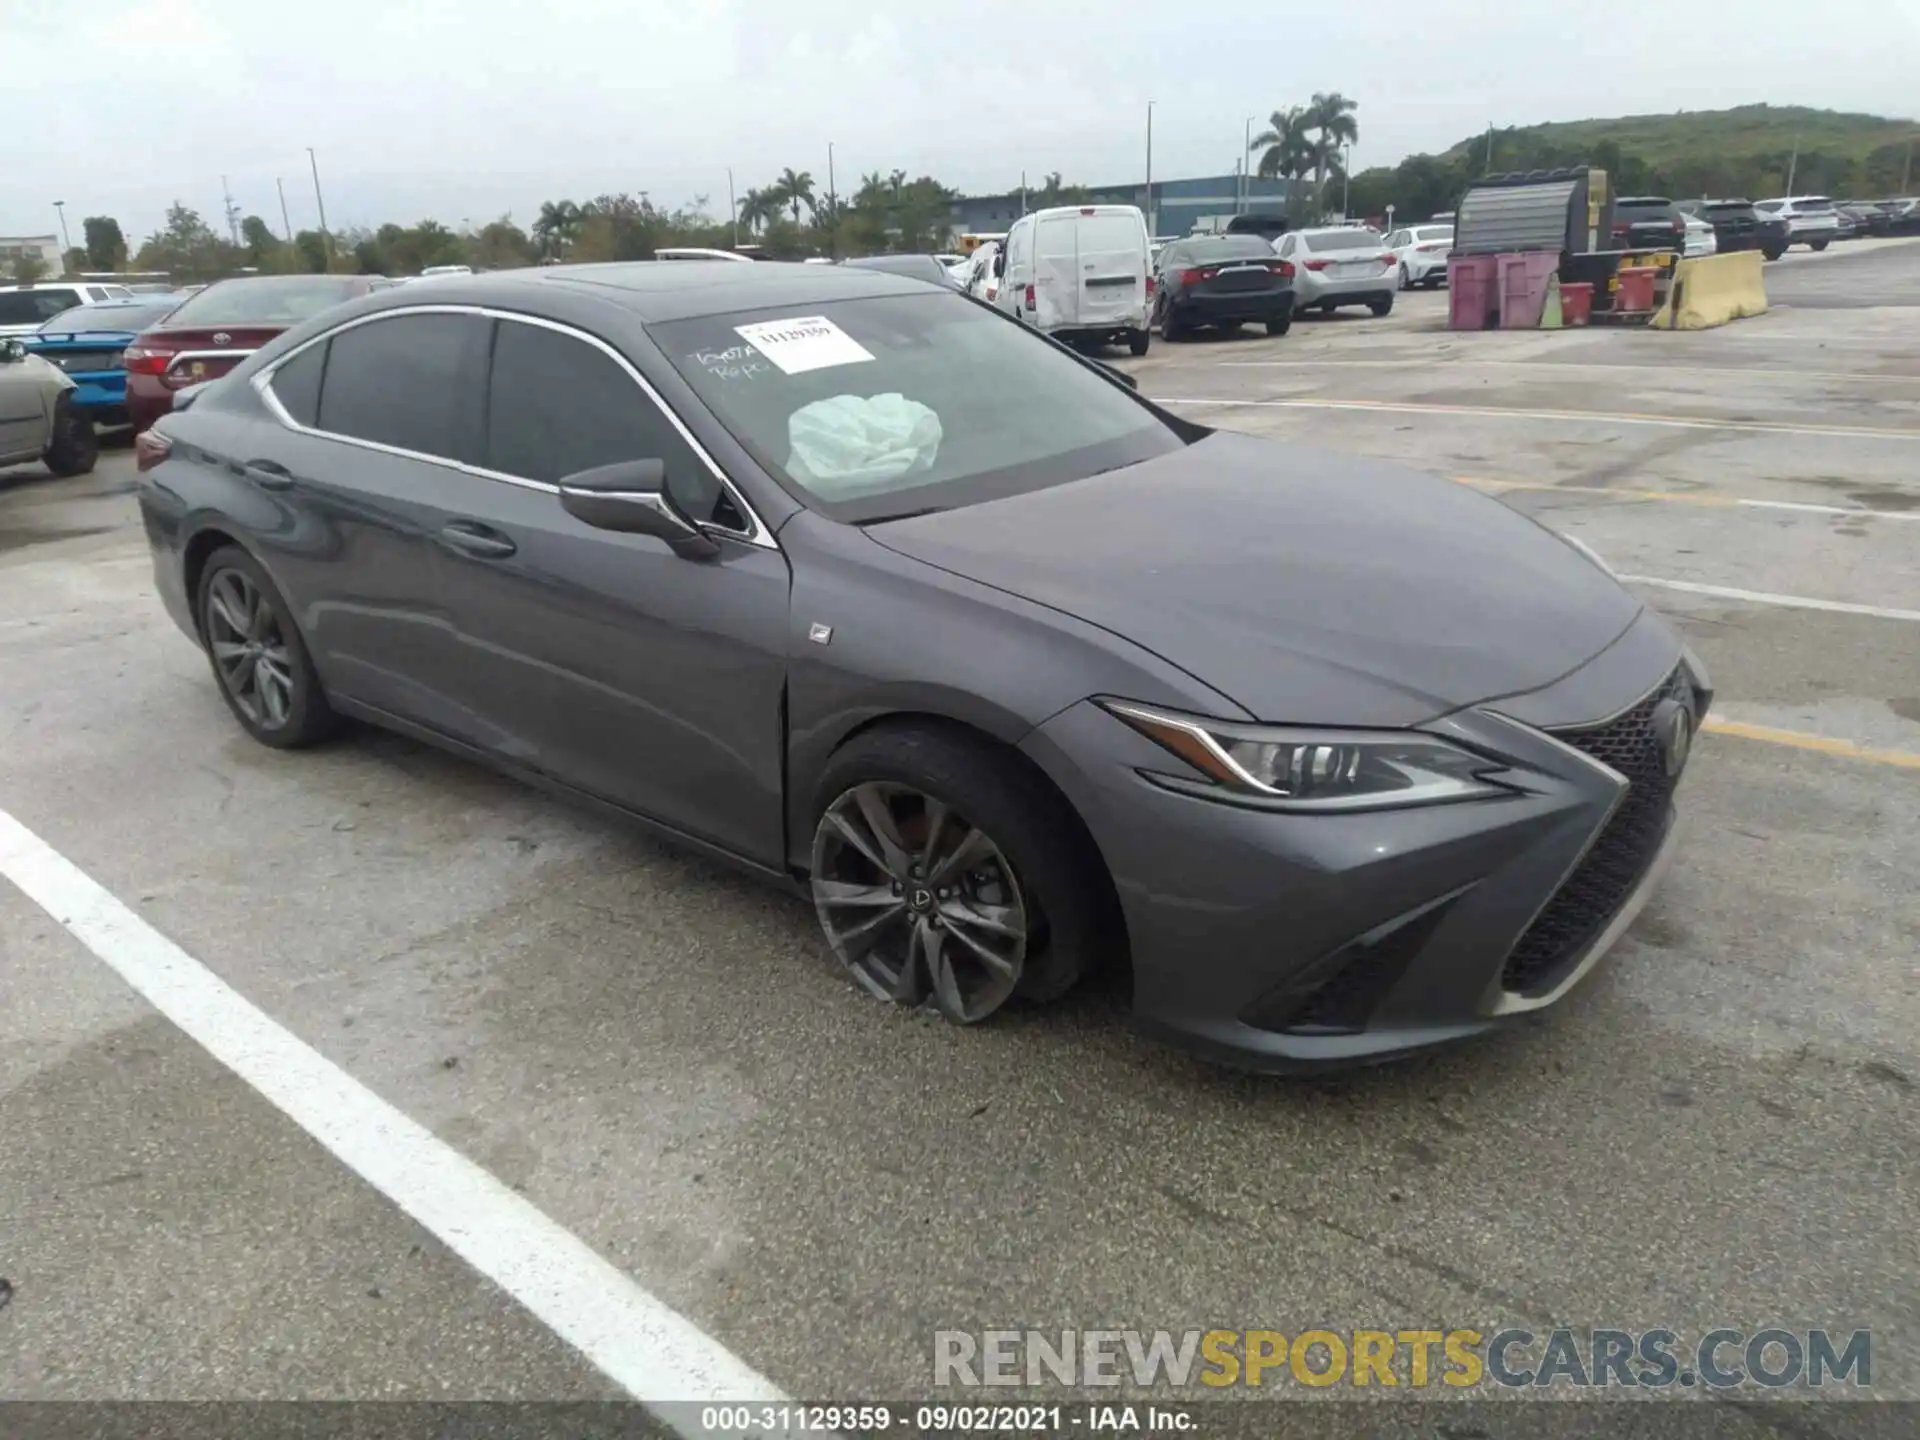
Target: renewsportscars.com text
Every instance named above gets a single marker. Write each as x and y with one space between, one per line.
1415 1359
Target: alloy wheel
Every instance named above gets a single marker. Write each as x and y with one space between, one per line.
917 901
249 650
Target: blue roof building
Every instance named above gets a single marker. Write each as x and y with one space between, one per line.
1177 204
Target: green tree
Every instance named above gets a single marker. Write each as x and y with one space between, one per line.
502 245
557 227
187 249
312 248
795 189
106 246
28 267
1330 116
1286 151
74 261
258 237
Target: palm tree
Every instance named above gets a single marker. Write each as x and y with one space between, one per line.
896 180
758 206
1285 151
794 189
1330 116
558 225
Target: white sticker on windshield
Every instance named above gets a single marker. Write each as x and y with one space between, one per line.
806 342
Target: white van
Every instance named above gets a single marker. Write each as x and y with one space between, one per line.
1079 272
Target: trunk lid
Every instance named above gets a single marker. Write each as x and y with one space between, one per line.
204 352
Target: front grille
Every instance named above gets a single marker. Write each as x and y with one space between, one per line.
1607 874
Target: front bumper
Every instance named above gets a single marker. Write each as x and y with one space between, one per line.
1278 941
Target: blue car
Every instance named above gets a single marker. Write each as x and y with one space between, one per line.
86 342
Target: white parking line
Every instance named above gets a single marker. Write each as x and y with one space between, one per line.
1763 597
1428 364
1685 497
1598 417
636 1340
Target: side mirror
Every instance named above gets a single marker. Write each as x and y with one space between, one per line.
12 351
632 498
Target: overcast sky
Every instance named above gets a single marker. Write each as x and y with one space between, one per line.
464 109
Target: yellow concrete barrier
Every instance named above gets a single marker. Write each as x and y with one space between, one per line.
1712 290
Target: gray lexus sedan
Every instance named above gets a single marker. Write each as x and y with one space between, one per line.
864 587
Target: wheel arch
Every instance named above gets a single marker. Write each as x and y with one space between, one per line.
986 726
199 549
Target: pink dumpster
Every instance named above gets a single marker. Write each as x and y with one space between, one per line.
1472 300
1523 287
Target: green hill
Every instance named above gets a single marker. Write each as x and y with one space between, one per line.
1746 151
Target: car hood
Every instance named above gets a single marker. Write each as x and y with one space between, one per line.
1307 587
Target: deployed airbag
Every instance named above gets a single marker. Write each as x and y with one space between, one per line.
848 445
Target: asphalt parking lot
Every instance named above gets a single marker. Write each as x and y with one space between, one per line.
1718 1129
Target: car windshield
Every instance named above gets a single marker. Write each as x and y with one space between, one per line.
877 408
1228 247
108 317
1350 239
30 307
267 300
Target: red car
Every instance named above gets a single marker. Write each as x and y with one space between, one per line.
218 328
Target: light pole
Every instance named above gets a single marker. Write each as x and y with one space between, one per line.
326 239
285 223
66 240
1346 184
1149 168
1246 172
732 209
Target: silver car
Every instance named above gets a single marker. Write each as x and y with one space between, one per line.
1349 265
37 418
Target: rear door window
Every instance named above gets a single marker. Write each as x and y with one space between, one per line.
557 405
33 307
398 382
296 384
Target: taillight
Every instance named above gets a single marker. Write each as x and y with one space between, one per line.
1281 267
1149 287
1032 303
140 361
150 447
1318 264
1387 259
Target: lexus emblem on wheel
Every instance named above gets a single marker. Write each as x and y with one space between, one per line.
221 337
1673 726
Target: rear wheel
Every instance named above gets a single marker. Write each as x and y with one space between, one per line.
1406 279
259 659
74 448
1137 341
1381 307
1279 324
1817 244
1170 327
1774 252
940 871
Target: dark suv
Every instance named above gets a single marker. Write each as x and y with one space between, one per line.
1738 226
1648 222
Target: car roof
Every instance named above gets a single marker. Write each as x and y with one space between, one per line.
655 290
58 284
1643 200
139 302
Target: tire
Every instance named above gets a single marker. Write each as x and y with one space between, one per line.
1137 342
1381 307
277 697
1774 252
1816 245
1406 280
1042 869
1280 324
1171 330
75 447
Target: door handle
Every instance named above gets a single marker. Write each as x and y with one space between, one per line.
480 541
268 474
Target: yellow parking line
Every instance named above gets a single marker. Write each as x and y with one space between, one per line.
1821 744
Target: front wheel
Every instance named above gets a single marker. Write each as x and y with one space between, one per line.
1774 252
1816 245
941 871
259 660
74 448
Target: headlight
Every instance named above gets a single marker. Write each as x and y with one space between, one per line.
1319 770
